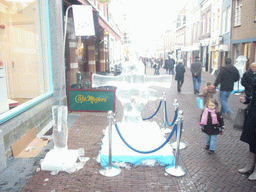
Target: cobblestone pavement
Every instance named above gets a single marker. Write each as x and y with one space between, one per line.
205 172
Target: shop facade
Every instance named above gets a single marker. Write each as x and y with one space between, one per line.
31 54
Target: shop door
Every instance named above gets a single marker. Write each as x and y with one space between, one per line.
23 61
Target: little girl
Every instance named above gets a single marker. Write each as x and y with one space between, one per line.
212 124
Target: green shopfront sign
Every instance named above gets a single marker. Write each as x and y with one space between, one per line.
91 100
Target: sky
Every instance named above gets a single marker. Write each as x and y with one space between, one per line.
150 19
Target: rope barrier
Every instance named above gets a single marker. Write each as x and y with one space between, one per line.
147 152
144 119
175 116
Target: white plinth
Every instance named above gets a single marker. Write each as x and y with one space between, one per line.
145 136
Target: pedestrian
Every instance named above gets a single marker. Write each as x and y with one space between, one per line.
170 62
248 134
247 79
208 91
226 77
145 65
196 70
156 66
166 66
211 123
179 77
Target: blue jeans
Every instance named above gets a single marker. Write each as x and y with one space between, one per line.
196 83
224 95
211 141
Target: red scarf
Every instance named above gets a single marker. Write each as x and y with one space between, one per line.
205 116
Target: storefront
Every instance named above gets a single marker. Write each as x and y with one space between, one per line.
89 54
29 60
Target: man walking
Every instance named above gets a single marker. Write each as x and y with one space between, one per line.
196 70
226 77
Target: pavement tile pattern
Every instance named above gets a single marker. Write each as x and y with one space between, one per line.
205 172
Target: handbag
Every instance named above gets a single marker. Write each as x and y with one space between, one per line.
199 103
239 120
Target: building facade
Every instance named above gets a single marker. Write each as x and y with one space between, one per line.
243 36
37 58
214 30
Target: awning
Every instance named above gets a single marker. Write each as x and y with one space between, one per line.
106 27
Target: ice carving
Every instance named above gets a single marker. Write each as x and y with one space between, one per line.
61 158
133 88
134 91
60 127
240 65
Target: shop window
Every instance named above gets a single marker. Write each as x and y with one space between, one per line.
23 54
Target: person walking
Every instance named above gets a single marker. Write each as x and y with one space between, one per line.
179 77
211 123
170 65
226 77
248 134
196 70
247 79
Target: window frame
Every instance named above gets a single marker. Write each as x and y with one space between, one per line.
44 25
238 13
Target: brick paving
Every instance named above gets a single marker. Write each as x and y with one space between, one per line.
209 173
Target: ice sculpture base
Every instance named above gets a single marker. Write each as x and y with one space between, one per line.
60 160
144 136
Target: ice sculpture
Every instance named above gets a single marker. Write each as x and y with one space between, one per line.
133 92
61 158
240 65
60 127
133 88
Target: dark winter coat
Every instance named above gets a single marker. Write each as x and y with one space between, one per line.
247 80
196 68
180 70
213 129
170 64
227 76
249 128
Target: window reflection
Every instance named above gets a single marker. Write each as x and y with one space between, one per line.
23 75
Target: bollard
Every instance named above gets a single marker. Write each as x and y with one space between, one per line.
174 144
164 129
177 170
110 171
3 162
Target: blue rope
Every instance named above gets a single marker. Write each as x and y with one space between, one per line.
144 119
175 116
146 152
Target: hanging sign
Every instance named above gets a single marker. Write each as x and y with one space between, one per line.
83 20
104 1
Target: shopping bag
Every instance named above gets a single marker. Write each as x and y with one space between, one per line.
239 120
200 103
